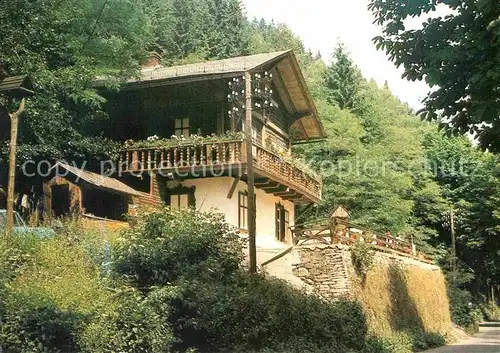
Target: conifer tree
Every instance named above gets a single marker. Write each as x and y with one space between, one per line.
343 79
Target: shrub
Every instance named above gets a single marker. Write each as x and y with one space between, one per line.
362 257
396 343
166 245
187 265
491 311
254 313
427 340
134 325
33 323
65 271
463 310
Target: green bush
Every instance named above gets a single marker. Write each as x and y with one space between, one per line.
166 245
362 257
396 343
463 310
134 325
427 340
189 264
491 311
176 285
34 323
255 313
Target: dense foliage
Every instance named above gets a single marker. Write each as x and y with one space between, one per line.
397 173
457 55
392 171
201 299
64 46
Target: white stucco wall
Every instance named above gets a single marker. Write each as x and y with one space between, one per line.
212 193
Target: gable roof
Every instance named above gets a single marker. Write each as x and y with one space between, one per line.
231 66
98 180
290 81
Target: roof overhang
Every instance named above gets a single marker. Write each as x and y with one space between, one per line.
93 179
305 125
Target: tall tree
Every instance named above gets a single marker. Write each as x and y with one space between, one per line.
343 79
64 46
471 182
197 30
458 57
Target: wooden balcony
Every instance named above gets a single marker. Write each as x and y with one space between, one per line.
274 174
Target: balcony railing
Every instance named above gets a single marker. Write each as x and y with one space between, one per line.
209 154
215 156
279 169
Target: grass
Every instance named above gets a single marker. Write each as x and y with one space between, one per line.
404 301
67 269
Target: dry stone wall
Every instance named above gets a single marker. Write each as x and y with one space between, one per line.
396 291
324 269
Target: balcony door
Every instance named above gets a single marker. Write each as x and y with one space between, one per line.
282 222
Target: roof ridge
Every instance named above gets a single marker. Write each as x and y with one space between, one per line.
241 57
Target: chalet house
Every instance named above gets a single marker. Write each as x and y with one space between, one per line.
183 131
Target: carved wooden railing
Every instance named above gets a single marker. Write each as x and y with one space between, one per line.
220 154
336 231
282 170
210 154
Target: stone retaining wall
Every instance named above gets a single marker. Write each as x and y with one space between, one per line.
324 269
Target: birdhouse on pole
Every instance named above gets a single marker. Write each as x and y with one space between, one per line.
340 213
16 87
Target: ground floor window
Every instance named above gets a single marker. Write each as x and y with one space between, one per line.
282 222
181 197
243 210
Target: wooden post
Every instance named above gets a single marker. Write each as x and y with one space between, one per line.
453 243
14 123
252 243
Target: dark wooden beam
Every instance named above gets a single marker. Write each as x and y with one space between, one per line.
252 229
270 185
233 188
275 190
261 181
301 125
296 197
287 192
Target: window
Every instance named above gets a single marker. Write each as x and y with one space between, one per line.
181 197
181 127
243 210
179 201
282 223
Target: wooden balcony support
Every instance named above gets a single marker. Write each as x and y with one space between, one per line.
275 190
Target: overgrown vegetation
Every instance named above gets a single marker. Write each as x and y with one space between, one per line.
362 257
465 98
411 178
176 285
406 307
